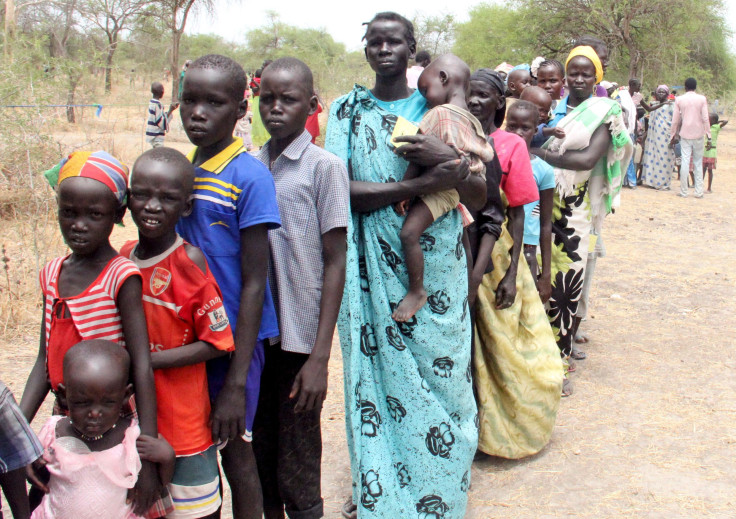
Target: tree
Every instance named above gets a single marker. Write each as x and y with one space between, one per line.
175 13
637 28
434 34
493 34
112 17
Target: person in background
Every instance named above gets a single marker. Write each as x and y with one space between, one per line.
181 77
690 123
658 161
709 156
157 124
422 61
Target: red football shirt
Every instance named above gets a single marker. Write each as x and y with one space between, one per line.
182 305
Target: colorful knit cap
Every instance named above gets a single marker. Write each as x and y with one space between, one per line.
587 52
98 165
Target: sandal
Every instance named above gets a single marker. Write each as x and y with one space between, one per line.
566 388
577 354
571 366
349 510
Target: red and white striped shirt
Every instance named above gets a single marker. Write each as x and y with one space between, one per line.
94 311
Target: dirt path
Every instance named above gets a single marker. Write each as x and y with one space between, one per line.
651 429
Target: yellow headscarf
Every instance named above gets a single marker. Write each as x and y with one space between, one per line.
589 53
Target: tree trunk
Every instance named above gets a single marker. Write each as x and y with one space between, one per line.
175 39
69 102
9 28
108 70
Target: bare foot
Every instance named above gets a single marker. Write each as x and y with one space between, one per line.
410 305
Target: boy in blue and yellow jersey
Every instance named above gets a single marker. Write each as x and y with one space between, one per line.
234 207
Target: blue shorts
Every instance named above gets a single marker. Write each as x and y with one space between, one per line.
216 372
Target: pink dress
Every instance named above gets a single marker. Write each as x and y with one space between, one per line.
86 484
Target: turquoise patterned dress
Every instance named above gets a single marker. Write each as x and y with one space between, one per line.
410 413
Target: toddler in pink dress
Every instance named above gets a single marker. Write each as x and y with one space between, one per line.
85 483
93 455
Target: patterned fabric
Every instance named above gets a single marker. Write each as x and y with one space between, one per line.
659 158
582 200
517 367
182 305
94 312
313 193
157 124
19 445
607 175
98 165
460 128
410 413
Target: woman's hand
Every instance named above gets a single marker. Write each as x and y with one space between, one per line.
506 291
425 150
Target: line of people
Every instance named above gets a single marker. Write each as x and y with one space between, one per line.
452 256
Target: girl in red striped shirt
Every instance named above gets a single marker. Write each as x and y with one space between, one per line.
93 293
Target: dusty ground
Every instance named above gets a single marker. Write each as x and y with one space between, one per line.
651 429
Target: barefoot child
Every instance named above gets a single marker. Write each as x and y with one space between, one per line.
709 155
157 124
443 83
234 207
307 275
187 324
18 449
93 293
91 454
521 120
542 100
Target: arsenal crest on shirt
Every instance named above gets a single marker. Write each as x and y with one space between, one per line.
160 280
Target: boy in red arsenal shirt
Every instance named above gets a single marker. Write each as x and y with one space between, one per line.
187 324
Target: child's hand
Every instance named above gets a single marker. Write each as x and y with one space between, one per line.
38 475
152 449
173 106
559 133
401 207
310 386
708 146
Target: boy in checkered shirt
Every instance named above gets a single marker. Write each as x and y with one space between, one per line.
307 275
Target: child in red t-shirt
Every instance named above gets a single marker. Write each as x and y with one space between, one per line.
187 324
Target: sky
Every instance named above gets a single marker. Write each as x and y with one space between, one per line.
234 18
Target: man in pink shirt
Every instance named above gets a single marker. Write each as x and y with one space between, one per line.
690 122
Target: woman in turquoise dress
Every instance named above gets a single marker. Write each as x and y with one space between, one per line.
410 414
